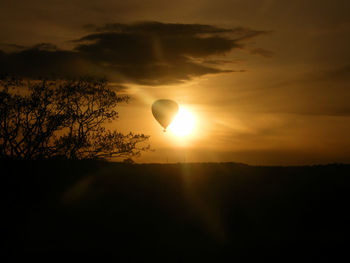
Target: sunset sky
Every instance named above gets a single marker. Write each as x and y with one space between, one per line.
267 81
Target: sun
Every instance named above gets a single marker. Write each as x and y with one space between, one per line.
183 123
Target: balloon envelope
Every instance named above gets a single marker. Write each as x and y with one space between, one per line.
164 111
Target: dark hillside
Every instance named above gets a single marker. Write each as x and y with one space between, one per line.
94 211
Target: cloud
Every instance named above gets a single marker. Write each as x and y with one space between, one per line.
262 52
150 53
336 74
319 92
5 47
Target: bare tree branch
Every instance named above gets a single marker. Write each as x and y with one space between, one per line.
62 118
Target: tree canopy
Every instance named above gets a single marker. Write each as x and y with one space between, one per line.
42 119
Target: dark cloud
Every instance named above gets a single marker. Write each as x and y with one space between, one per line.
158 28
146 53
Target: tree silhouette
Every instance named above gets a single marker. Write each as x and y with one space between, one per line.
42 119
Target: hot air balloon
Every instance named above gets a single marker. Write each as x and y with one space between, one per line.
164 111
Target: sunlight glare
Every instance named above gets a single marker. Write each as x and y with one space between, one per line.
183 123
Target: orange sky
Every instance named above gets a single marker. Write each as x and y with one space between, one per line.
285 101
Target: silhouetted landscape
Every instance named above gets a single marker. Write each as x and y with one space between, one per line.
175 131
78 211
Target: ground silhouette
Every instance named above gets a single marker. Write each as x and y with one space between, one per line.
82 211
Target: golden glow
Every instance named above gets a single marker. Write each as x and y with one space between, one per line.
183 123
